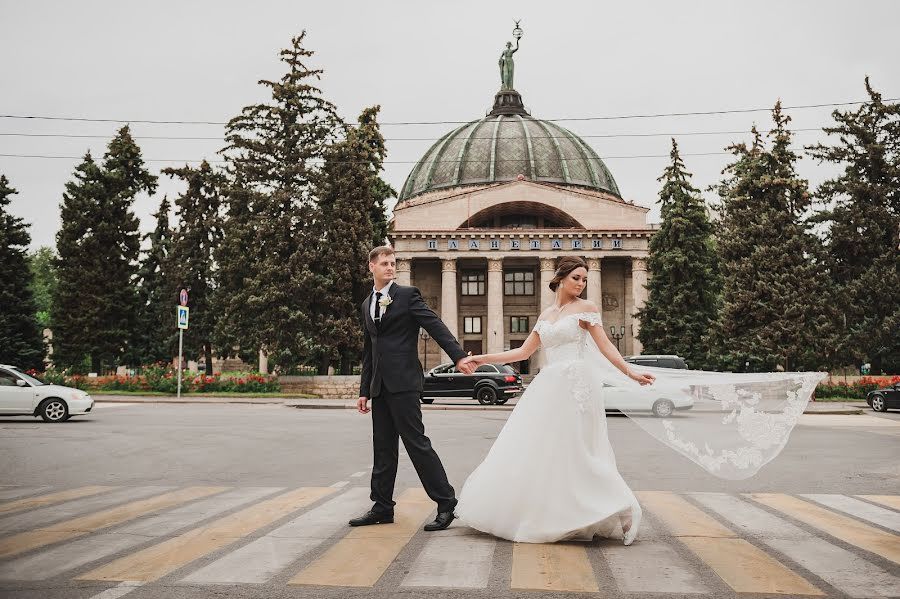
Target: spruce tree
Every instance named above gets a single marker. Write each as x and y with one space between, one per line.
773 300
351 195
156 333
684 280
192 260
43 283
96 307
21 341
275 151
861 207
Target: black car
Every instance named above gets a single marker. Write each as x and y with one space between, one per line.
881 400
489 384
658 360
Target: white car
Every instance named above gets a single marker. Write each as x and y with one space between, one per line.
23 395
633 400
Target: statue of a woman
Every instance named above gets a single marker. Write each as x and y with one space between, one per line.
507 66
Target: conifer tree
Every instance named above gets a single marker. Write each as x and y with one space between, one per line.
21 341
43 283
275 151
684 280
350 195
156 333
192 260
861 207
773 300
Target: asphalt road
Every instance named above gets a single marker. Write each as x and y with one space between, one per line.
149 473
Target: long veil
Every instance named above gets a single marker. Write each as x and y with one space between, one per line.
731 424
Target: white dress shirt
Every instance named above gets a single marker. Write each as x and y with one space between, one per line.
384 292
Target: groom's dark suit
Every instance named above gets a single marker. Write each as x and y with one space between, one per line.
392 379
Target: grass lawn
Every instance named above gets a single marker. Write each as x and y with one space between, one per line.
823 399
161 394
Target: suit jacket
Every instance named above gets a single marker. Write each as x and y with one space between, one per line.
391 348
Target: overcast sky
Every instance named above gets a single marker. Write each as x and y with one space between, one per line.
429 61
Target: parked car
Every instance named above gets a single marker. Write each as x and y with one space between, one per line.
881 400
489 384
658 360
24 395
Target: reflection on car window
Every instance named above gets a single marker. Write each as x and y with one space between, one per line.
486 368
7 379
30 379
645 362
509 369
667 363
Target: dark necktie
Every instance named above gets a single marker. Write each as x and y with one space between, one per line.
377 306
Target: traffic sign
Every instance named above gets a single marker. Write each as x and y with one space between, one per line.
183 297
183 317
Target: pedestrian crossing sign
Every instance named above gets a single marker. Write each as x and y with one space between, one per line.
182 317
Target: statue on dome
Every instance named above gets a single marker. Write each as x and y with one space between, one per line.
507 66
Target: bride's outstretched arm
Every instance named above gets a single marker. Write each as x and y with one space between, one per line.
514 355
615 358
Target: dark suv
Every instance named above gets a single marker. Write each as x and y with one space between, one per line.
658 360
489 384
881 400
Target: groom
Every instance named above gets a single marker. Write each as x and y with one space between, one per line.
392 378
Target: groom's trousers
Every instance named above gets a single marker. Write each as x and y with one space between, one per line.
399 416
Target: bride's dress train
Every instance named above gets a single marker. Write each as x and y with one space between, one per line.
551 474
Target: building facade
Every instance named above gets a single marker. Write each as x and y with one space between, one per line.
486 213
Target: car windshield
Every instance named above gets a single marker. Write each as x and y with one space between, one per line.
29 378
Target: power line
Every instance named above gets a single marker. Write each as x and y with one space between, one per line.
597 136
403 123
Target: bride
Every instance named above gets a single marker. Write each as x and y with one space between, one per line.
551 474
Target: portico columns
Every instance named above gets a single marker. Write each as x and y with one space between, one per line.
639 295
449 313
404 271
594 291
548 271
495 328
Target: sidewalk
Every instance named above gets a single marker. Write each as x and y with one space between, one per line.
814 407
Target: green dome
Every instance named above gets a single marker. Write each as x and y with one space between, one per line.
500 147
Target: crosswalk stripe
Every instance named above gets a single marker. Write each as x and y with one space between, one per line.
891 501
651 566
457 558
69 556
160 559
362 556
860 509
121 589
262 559
16 492
837 566
742 566
52 498
70 529
552 567
42 517
841 527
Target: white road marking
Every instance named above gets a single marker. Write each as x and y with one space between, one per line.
453 560
340 484
879 515
358 474
16 492
123 588
262 559
69 556
838 567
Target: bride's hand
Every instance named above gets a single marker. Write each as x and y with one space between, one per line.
644 378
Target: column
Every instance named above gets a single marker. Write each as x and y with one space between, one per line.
263 362
449 312
639 297
404 271
594 291
548 270
495 328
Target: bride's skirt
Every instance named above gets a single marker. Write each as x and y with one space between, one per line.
551 474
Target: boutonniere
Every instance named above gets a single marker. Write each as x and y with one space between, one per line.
385 301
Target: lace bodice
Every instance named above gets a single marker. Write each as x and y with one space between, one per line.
564 339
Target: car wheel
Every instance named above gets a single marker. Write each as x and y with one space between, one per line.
878 403
427 399
486 395
663 408
501 400
54 410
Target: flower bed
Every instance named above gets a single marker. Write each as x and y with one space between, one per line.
163 378
858 388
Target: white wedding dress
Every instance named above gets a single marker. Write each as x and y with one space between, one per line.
551 474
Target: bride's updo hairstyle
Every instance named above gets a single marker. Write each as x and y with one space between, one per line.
566 265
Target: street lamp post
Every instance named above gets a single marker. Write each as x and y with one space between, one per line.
424 336
617 334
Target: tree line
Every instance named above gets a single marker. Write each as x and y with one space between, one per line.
272 248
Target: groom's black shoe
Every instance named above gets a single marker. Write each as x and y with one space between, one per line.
442 521
373 517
